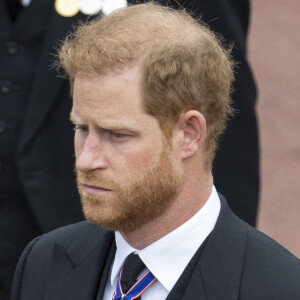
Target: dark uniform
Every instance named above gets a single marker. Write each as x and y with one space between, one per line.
37 184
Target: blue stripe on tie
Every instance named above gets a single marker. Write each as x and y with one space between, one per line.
137 289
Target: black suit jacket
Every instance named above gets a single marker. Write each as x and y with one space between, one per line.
237 262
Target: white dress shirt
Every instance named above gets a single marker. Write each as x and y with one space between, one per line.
167 257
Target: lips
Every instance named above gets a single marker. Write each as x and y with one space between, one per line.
95 190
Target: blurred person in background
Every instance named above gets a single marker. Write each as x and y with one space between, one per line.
37 185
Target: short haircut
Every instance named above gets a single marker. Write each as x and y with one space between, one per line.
183 64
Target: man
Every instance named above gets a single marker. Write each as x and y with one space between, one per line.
151 94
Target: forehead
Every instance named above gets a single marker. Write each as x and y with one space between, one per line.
109 99
112 91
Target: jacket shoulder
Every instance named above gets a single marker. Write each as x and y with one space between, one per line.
270 271
42 246
66 235
34 265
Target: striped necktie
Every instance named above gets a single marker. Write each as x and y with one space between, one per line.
128 287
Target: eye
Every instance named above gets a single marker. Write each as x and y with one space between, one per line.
118 135
81 128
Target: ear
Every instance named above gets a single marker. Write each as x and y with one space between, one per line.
192 125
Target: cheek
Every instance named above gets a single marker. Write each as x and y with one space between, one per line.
138 160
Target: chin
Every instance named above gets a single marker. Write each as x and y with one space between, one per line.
106 217
111 219
112 224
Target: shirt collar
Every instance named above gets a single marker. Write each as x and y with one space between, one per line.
178 246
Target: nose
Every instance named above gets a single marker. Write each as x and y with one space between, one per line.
90 154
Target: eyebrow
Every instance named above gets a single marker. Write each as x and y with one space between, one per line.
110 126
74 119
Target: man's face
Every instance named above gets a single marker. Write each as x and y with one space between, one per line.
127 172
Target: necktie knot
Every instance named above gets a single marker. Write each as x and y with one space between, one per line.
132 267
128 287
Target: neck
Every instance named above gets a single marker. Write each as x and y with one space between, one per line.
193 196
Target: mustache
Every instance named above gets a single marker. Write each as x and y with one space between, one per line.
95 180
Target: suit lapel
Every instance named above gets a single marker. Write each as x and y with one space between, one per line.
76 271
195 288
218 272
190 284
47 84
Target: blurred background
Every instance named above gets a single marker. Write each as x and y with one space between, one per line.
273 51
